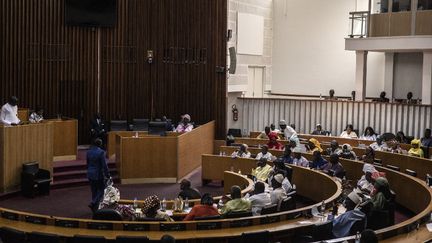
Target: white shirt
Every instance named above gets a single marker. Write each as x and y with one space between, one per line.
240 154
268 156
9 114
352 134
277 195
286 184
370 138
258 201
289 132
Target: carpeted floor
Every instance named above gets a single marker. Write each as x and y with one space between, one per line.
72 202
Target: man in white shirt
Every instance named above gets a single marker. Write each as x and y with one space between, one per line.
278 194
264 154
9 112
259 199
288 131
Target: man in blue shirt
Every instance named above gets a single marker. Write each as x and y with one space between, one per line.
318 162
97 171
342 224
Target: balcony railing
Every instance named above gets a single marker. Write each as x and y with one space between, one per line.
358 24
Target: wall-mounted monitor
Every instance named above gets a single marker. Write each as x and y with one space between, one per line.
91 13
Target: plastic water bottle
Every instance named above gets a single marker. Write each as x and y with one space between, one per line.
136 134
186 203
164 204
220 204
357 237
135 203
322 208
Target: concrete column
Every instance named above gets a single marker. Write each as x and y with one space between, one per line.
360 75
427 78
388 74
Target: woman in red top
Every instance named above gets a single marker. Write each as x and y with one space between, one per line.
204 209
273 143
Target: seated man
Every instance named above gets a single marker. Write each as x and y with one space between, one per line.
369 155
286 158
379 144
334 148
184 125
331 95
415 149
394 147
347 152
237 203
264 134
318 130
242 152
278 193
273 143
299 159
426 141
9 112
259 198
110 201
280 168
264 154
150 209
342 224
286 130
187 191
262 171
334 166
204 209
36 116
273 128
314 145
318 162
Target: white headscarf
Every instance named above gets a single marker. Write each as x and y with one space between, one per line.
111 195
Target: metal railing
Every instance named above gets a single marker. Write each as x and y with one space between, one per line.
358 24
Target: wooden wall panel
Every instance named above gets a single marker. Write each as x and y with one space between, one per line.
57 67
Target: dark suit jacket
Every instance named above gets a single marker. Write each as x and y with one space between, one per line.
97 168
98 127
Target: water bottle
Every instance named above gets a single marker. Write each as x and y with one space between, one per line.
220 153
135 203
164 204
136 134
322 208
220 204
186 203
357 237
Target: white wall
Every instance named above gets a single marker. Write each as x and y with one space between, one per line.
407 75
309 49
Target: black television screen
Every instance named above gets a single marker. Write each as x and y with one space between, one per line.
92 13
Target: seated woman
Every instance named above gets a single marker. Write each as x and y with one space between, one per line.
110 201
37 115
382 194
400 137
415 149
242 152
273 143
394 147
318 162
184 125
347 152
264 154
262 171
314 145
204 209
369 134
349 133
334 167
151 207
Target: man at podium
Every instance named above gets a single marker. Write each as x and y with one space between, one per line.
9 112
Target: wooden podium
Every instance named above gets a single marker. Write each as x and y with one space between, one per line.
21 144
157 159
65 138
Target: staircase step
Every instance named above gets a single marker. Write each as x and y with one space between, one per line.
77 174
76 182
76 166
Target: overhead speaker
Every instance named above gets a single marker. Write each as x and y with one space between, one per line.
233 60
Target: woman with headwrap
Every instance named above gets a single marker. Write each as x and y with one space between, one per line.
273 143
314 145
110 201
382 194
151 207
347 152
415 149
204 209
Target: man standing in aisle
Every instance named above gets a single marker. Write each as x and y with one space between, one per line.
9 112
97 171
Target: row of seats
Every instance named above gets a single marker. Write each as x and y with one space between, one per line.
136 125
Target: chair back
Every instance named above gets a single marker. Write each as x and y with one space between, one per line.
411 172
208 217
132 239
289 171
118 125
287 204
322 231
39 237
261 236
141 124
151 219
392 167
269 209
107 214
88 239
9 235
358 226
235 132
240 214
31 167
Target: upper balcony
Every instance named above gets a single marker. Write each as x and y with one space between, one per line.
392 25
